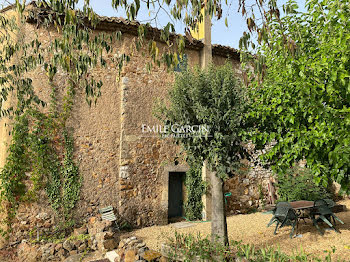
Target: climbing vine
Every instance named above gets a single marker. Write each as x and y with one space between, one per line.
71 179
15 169
195 190
34 163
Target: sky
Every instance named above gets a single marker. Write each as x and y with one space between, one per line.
228 36
221 34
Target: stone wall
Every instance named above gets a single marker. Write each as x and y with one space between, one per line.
146 161
143 156
249 188
96 132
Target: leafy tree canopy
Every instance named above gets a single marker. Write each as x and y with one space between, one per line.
213 98
302 90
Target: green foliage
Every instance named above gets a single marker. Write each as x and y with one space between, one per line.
124 225
70 177
81 237
191 248
34 156
43 156
73 51
14 172
30 157
298 184
56 238
301 91
198 248
214 101
212 98
38 141
251 253
194 189
76 51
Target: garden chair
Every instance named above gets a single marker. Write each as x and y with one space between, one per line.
284 215
107 213
322 212
330 202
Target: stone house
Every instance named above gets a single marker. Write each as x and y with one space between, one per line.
138 175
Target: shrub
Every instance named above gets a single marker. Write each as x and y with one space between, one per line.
195 190
191 248
298 184
187 247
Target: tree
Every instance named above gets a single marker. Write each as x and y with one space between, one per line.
215 99
302 91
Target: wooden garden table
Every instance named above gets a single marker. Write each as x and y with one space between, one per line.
303 208
302 204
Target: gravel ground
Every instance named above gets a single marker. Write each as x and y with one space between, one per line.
252 229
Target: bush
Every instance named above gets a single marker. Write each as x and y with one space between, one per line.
191 248
298 184
195 190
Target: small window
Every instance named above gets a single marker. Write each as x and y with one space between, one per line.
182 65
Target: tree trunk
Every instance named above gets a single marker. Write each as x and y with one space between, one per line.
218 215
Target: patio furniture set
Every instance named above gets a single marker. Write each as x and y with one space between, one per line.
290 213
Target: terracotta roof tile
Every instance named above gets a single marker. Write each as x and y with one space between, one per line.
130 27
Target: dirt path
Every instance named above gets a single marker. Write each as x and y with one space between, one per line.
252 229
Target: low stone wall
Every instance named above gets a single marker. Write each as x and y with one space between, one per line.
248 188
96 236
97 239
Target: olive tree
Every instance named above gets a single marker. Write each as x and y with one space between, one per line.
213 98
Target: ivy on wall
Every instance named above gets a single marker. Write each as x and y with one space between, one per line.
40 157
195 190
71 181
13 173
38 143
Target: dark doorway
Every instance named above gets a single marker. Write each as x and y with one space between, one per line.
176 182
